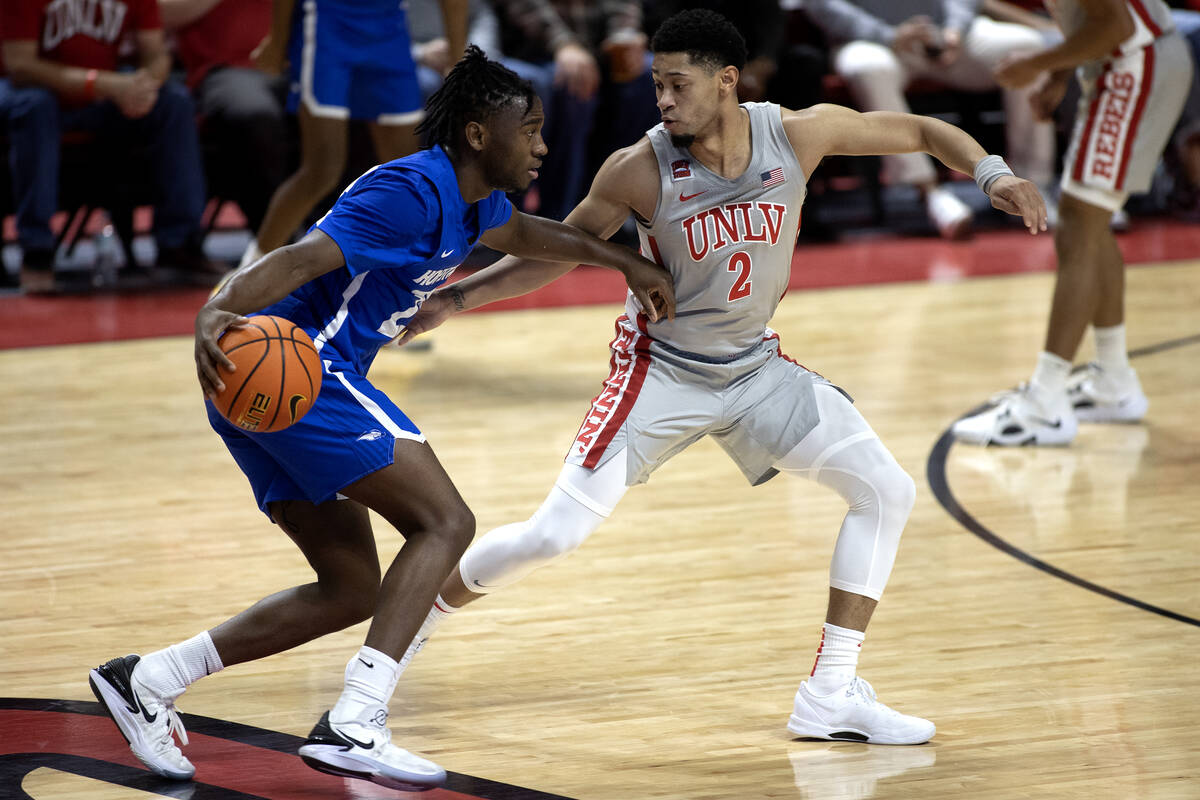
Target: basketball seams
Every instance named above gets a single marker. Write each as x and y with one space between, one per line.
282 359
271 357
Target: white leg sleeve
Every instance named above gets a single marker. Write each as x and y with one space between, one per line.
843 453
580 500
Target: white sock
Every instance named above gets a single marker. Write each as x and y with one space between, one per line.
370 680
1110 349
168 672
837 659
1050 375
252 254
438 612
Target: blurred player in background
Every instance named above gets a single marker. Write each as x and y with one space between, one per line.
717 190
346 59
1135 71
352 283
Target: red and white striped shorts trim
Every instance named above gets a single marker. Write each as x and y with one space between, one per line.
628 365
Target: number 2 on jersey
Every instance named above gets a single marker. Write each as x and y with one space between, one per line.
740 263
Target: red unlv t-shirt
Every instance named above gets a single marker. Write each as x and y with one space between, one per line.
81 33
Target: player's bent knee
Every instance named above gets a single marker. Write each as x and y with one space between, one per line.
897 490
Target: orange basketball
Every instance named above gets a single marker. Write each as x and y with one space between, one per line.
278 375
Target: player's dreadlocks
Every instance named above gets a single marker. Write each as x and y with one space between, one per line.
711 40
474 90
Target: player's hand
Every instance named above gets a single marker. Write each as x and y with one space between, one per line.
270 56
1020 198
436 309
653 287
1017 71
210 324
1047 98
575 68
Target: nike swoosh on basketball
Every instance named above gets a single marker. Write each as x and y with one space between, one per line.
448 252
684 198
293 403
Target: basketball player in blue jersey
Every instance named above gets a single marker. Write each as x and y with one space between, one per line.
352 283
717 190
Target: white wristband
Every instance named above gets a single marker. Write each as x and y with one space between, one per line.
988 170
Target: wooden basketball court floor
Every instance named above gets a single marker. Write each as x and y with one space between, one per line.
659 661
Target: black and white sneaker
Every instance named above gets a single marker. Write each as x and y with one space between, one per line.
1098 395
147 720
362 748
1018 418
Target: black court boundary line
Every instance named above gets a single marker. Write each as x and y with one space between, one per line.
935 473
277 741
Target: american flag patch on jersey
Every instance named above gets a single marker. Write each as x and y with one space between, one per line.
773 177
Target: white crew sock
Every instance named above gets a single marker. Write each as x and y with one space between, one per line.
168 672
1050 376
370 680
437 613
252 254
1111 354
837 659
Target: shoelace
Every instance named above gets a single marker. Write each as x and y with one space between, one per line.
174 726
861 687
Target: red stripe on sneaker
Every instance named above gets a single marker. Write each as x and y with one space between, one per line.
1147 83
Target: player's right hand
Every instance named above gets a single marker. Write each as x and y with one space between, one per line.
653 287
210 324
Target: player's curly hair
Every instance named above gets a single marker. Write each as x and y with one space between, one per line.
711 40
474 90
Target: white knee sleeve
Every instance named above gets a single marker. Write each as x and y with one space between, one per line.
843 453
580 500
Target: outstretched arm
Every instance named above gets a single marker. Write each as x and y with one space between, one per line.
826 130
620 186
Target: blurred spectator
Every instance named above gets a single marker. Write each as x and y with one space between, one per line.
1184 156
881 46
580 57
241 108
347 59
62 61
431 50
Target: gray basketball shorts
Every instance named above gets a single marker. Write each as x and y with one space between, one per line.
655 402
1129 107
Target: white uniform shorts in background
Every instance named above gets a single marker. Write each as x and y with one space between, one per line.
1128 109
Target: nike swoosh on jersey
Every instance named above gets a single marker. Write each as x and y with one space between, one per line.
684 198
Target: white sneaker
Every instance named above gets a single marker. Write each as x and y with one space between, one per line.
853 714
146 719
362 748
1019 418
951 216
1101 396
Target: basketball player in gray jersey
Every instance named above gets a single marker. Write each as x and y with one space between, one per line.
1135 70
717 190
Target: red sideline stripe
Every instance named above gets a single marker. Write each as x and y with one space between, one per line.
1131 132
641 356
1082 155
1146 18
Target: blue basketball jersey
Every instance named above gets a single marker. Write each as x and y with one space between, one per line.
403 227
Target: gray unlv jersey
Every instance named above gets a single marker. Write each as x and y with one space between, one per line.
727 243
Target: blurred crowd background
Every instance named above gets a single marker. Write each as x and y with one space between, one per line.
156 143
